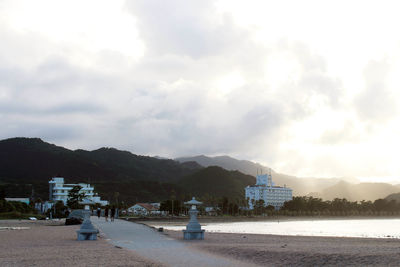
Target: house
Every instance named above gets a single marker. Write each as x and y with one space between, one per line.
211 211
143 209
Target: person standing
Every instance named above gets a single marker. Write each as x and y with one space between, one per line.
67 213
112 213
98 212
106 213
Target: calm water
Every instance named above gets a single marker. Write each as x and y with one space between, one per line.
378 228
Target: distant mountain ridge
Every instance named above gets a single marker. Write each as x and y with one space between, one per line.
394 196
228 163
29 163
326 188
361 191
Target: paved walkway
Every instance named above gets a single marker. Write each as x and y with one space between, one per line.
153 245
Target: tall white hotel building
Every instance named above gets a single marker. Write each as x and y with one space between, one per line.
266 190
58 190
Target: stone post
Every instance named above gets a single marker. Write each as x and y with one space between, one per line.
193 228
87 231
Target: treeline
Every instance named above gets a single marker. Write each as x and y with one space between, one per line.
216 206
15 206
299 206
15 210
309 206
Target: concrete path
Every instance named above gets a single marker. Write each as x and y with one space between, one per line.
153 245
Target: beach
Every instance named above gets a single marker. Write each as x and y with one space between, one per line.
51 243
271 250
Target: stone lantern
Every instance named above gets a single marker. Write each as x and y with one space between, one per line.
193 229
87 230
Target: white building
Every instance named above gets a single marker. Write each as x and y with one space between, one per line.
143 209
59 191
19 199
266 190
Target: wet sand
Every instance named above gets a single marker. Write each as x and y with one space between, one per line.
271 250
48 243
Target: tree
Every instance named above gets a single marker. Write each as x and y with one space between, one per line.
225 205
259 206
2 194
116 195
74 197
59 209
171 206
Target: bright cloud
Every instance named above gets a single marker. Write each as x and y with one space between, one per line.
309 88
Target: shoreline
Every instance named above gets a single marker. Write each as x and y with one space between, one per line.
275 250
206 220
350 228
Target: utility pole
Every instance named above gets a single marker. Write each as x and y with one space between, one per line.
172 200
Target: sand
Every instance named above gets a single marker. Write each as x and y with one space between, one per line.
271 250
48 243
53 244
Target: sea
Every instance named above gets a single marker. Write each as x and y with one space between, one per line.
365 228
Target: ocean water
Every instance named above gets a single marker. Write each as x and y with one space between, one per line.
375 228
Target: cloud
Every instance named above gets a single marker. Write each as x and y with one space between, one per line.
173 78
376 103
51 130
347 134
170 101
180 27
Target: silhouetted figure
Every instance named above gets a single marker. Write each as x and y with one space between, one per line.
112 213
106 214
98 212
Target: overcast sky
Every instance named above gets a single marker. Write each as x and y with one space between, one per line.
309 88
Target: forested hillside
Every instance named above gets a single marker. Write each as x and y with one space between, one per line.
27 164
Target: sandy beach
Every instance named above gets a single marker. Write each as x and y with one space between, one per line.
271 250
48 243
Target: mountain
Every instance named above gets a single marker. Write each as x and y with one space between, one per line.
227 163
361 191
300 186
31 162
28 164
326 188
394 196
216 181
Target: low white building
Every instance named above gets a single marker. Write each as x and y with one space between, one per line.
265 189
19 199
59 191
143 209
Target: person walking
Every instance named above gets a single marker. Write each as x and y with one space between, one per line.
106 213
112 213
98 212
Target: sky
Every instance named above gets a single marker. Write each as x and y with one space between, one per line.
308 88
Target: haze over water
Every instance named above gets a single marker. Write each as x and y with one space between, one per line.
367 228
